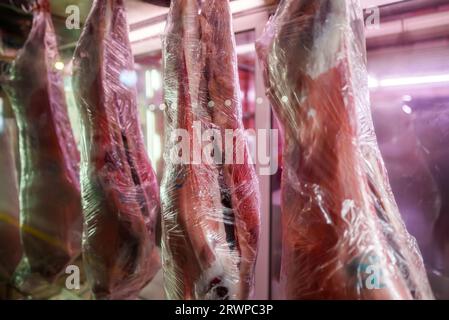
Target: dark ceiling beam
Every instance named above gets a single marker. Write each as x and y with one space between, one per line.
162 3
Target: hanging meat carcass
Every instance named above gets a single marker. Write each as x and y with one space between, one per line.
343 237
50 203
239 177
210 206
119 187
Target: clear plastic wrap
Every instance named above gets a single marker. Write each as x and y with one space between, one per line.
119 188
50 206
10 247
343 236
210 206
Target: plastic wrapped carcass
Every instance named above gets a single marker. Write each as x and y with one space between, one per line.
342 233
50 203
120 193
210 194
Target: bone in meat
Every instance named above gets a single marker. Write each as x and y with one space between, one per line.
339 218
50 204
209 246
119 187
239 176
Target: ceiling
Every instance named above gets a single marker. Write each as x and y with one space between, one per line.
136 9
400 20
15 24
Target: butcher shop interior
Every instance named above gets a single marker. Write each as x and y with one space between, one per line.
224 149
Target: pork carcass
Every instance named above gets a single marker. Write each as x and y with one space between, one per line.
239 176
343 237
210 206
50 203
119 187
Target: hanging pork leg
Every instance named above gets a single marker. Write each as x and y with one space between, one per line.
50 204
210 210
239 183
119 187
343 237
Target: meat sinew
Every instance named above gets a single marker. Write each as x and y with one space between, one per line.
343 237
210 207
119 187
50 203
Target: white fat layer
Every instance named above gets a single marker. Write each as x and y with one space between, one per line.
226 270
328 42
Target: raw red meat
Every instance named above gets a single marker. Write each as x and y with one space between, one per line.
210 209
343 237
119 187
239 177
50 204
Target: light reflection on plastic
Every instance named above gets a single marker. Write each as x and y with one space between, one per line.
153 139
128 78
